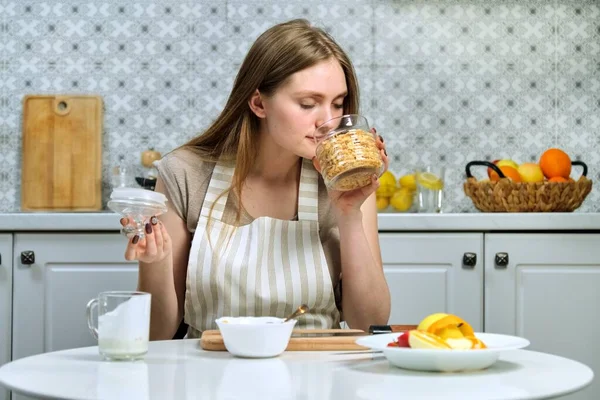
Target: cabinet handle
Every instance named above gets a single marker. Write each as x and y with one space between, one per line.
501 260
27 257
469 260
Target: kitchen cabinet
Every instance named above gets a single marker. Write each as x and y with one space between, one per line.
55 275
6 248
546 288
434 272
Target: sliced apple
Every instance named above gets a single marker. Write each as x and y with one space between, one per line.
425 340
460 343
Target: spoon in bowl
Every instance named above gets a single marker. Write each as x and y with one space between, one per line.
303 309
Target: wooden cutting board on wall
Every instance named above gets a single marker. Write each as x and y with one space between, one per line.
62 153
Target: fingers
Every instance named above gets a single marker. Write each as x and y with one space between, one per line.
154 244
158 234
126 221
316 164
131 250
368 190
381 146
165 237
151 248
386 160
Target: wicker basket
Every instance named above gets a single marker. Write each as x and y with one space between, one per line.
505 195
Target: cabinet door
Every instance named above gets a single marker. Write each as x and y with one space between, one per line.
548 293
50 295
6 247
426 274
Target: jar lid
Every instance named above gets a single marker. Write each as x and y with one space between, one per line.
137 194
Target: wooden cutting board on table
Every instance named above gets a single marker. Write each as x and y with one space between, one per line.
212 340
62 153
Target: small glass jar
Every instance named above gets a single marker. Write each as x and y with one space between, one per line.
347 153
138 205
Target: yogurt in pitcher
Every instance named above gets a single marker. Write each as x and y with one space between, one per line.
123 333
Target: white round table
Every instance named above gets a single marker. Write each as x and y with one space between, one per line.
180 369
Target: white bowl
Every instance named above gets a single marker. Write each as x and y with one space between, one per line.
255 337
444 360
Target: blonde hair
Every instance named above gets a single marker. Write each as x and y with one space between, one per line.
279 52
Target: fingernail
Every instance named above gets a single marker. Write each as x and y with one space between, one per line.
154 220
385 152
375 130
123 220
148 228
381 138
135 239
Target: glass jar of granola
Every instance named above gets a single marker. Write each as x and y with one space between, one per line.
347 152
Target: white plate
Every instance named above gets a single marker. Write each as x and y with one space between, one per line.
444 360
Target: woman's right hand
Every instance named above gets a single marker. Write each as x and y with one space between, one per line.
154 247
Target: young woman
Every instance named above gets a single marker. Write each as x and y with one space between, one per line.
251 228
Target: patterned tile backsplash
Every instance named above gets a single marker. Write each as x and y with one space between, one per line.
444 81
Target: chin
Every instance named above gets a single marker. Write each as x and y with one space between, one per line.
307 152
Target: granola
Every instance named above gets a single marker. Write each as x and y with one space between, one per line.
348 159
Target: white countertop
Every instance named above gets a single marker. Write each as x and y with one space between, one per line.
180 369
108 221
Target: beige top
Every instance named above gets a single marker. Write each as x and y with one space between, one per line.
186 177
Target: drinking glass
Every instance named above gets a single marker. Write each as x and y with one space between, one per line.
430 188
123 327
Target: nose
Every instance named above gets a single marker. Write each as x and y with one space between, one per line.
324 116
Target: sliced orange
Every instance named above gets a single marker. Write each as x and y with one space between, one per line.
477 343
451 321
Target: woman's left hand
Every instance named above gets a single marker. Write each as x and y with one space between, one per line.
349 203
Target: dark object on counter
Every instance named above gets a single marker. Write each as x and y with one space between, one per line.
379 329
505 195
146 183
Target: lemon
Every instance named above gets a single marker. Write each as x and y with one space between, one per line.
430 319
387 179
385 191
382 203
430 181
402 200
408 181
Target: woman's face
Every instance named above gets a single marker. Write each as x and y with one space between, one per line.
309 98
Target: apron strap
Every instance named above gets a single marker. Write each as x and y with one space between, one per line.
308 193
220 181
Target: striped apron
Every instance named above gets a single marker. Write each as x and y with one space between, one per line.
266 268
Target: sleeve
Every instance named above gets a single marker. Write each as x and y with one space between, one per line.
172 172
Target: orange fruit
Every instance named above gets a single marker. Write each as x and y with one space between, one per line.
555 162
451 321
477 343
510 172
558 179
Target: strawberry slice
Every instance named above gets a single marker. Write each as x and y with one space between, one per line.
402 341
